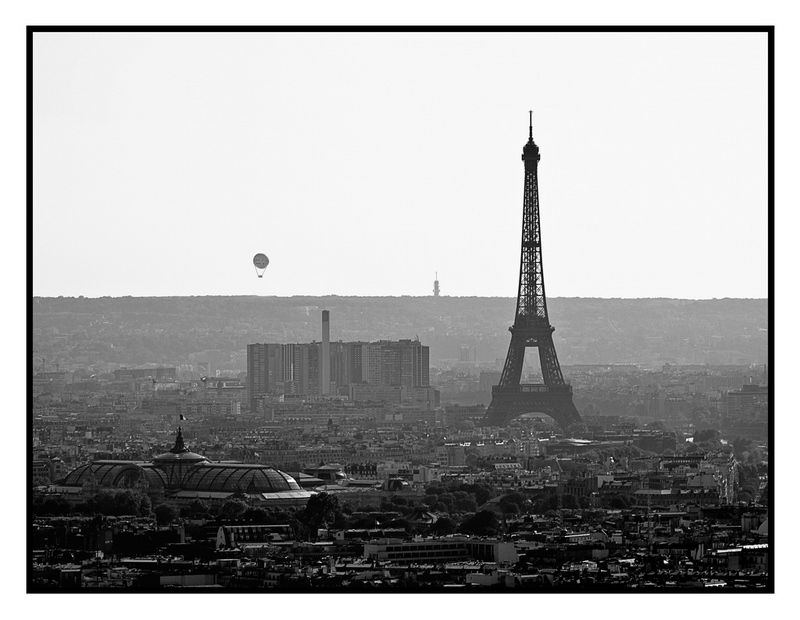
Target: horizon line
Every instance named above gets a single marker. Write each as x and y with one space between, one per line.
383 296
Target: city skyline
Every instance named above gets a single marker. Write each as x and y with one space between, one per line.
162 162
184 154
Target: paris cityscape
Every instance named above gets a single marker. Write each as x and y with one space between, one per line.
511 441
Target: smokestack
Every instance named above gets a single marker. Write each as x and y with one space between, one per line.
326 353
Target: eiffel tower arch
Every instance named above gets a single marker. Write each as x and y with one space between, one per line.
531 327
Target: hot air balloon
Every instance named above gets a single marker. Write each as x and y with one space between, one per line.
260 261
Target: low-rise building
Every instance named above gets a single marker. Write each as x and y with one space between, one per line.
439 550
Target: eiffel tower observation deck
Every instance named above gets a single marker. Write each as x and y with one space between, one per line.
531 327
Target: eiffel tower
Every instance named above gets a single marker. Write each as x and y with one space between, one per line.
531 328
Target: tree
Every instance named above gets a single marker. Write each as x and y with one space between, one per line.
52 506
319 512
102 503
448 499
145 505
512 503
745 449
166 514
748 482
117 503
232 508
692 448
239 493
362 522
401 523
435 488
483 523
279 516
576 429
570 502
466 504
544 503
256 515
708 435
443 527
618 501
196 509
483 492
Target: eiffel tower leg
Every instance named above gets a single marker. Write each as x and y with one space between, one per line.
512 369
551 369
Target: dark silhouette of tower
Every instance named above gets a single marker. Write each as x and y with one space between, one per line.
531 325
436 285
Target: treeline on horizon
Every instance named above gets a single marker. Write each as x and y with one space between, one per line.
587 330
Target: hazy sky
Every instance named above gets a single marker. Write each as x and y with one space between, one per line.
362 164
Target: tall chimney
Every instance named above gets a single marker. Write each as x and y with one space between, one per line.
326 353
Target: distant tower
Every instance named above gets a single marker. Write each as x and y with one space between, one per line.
531 326
436 285
326 353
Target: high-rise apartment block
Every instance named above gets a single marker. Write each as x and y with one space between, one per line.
274 369
403 363
299 369
265 371
326 353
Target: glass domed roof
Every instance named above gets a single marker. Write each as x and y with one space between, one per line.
183 470
232 477
119 474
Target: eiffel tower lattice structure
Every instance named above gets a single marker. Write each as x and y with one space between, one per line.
531 328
